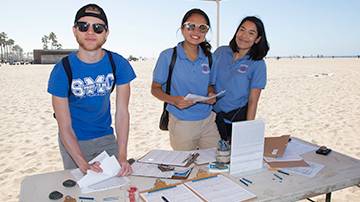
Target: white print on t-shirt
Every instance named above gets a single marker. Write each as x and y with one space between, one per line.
205 68
89 87
242 68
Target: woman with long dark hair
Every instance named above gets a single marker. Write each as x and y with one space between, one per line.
191 124
241 71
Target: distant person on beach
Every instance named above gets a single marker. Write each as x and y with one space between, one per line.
191 125
83 110
241 71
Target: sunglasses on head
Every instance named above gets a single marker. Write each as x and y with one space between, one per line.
203 28
97 27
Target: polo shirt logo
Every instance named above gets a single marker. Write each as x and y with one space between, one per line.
243 68
205 68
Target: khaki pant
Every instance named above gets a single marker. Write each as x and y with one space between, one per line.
191 135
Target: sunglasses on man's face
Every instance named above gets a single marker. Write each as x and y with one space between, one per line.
97 27
203 28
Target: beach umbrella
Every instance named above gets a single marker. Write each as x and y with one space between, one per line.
217 21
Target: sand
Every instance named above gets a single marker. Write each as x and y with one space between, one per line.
314 99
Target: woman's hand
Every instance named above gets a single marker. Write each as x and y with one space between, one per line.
181 103
212 100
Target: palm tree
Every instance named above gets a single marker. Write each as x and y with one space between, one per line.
52 38
54 42
18 52
45 41
8 44
3 37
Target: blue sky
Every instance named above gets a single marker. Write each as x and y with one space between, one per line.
146 27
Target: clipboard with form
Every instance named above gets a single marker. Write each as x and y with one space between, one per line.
175 158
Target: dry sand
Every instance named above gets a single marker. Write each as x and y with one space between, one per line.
314 99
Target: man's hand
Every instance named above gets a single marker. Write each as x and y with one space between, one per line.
94 167
125 169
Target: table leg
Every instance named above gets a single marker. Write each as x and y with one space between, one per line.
328 197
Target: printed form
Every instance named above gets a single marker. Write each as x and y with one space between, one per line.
247 146
219 189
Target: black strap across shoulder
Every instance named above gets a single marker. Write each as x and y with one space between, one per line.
67 67
171 67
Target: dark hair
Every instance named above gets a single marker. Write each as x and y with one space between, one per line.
205 46
259 50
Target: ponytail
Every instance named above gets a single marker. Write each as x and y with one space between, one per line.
206 47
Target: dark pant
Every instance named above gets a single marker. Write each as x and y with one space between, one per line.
225 129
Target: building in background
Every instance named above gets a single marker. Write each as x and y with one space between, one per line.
42 56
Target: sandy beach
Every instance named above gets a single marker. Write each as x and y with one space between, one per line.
313 99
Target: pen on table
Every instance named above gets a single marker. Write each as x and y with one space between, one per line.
246 180
283 172
242 181
164 199
277 176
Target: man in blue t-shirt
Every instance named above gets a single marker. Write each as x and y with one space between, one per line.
83 109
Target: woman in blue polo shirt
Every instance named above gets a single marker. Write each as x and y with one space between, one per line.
241 71
191 124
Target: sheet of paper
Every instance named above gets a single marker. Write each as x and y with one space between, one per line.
199 98
311 171
177 193
110 167
218 189
205 156
149 170
247 146
166 157
91 180
110 183
296 147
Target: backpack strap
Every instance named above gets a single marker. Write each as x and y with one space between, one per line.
67 68
171 67
113 67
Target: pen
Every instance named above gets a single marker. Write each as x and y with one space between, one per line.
283 172
277 176
164 199
244 182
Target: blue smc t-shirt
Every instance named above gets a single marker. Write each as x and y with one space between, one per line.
237 78
89 102
187 77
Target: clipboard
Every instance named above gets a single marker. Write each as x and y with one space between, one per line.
161 171
173 158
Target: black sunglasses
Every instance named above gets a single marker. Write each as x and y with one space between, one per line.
84 27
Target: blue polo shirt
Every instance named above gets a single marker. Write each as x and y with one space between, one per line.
187 77
237 78
89 102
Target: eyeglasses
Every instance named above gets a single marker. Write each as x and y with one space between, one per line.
203 28
97 27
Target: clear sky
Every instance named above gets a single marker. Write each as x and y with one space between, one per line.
146 27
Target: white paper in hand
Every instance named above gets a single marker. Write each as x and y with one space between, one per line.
199 98
109 165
